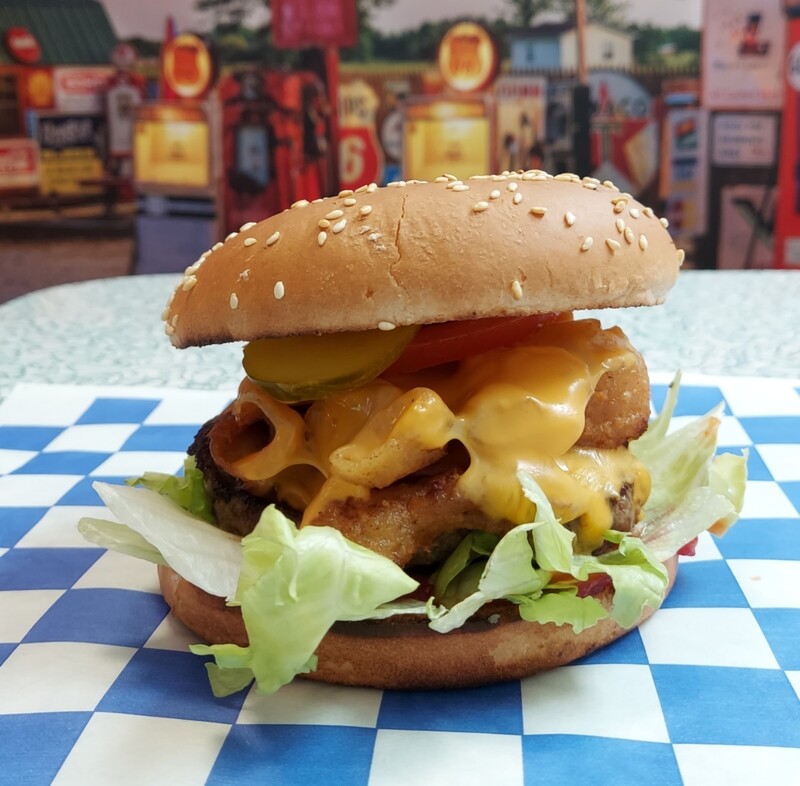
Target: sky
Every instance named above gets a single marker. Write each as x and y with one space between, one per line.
146 17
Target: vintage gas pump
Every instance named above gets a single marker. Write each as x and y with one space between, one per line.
176 155
273 141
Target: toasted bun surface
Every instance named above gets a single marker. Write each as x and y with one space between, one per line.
420 253
495 646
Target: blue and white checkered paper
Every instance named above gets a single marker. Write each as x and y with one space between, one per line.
97 686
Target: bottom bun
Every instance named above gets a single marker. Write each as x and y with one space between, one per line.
403 652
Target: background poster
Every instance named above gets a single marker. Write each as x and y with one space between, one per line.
747 217
687 171
743 45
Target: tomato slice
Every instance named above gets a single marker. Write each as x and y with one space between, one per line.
450 341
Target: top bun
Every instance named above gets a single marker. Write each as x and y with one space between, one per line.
417 253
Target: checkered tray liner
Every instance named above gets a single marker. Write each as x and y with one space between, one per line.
97 686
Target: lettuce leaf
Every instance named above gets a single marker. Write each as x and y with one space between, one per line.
522 564
294 584
187 491
200 552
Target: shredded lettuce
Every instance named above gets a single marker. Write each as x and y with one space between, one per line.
294 584
522 564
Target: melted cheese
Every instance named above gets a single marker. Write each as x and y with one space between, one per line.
512 408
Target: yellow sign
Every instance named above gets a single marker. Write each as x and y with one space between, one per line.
468 57
187 66
171 148
446 136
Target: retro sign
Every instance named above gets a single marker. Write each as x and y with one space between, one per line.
297 24
80 88
468 57
22 45
187 66
19 164
360 154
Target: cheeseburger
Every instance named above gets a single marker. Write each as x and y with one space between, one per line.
432 475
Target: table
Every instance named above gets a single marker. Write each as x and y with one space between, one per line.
95 682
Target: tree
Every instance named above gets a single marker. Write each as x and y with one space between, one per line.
523 12
610 12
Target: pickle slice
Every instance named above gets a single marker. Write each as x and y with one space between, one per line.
303 368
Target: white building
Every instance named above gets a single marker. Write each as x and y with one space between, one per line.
553 47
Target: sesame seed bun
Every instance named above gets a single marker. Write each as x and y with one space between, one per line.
404 653
418 253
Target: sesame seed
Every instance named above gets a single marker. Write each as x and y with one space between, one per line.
495 194
165 314
594 180
664 223
681 256
517 198
364 230
590 186
643 242
629 236
538 211
216 247
300 203
346 192
499 178
440 179
386 325
374 236
244 275
480 177
617 200
609 184
323 223
250 241
188 283
317 201
634 211
460 187
569 219
169 330
587 243
613 245
453 183
205 255
512 186
339 226
360 190
231 236
365 211
234 301
273 238
248 225
516 290
479 207
350 201
449 176
563 176
321 238
372 187
648 211
620 224
619 207
334 214
278 291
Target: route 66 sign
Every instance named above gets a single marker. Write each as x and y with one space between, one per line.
360 155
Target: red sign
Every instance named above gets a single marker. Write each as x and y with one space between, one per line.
22 45
19 164
359 157
787 218
297 24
